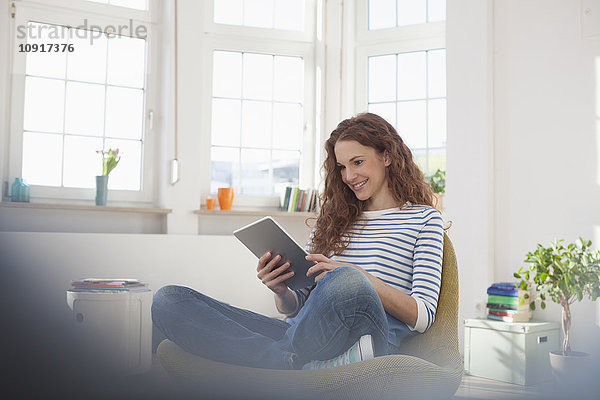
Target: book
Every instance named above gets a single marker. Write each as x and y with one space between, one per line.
516 318
314 202
293 199
506 292
306 204
507 300
507 313
286 198
301 195
519 307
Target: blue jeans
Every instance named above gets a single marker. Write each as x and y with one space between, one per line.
340 309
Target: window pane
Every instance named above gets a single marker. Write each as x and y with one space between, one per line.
286 170
256 123
258 76
88 61
81 162
224 168
135 4
382 14
437 160
227 74
226 116
288 77
127 175
44 105
126 61
229 12
412 76
386 111
42 158
124 112
287 126
255 172
412 123
437 73
420 157
436 10
289 15
84 112
258 13
50 64
411 12
437 123
382 78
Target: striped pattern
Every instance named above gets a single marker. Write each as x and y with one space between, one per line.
402 247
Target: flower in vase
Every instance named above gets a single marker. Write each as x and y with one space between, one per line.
110 159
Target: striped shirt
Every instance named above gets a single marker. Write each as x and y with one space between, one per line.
402 247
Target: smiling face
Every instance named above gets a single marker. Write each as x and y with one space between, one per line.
363 169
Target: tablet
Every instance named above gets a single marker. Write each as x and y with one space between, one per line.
267 235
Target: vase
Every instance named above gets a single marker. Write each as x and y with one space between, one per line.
101 189
225 196
20 190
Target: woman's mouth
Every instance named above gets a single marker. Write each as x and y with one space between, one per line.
359 185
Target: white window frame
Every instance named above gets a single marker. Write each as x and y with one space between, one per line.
264 41
96 14
403 39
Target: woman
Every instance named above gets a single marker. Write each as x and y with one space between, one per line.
377 245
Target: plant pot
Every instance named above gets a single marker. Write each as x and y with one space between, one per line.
101 189
572 370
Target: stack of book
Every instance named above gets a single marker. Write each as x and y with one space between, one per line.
298 200
507 303
107 285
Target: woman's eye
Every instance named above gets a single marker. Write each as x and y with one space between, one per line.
358 162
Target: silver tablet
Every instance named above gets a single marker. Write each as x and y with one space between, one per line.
267 235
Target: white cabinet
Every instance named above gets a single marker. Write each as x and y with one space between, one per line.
116 326
514 352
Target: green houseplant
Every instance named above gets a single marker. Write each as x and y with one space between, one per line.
564 274
437 181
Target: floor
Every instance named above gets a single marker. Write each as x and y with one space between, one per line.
472 387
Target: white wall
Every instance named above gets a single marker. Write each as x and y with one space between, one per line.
469 195
546 139
527 171
219 266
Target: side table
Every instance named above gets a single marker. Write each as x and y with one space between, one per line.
116 325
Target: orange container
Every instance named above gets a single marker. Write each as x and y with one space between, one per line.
225 196
210 203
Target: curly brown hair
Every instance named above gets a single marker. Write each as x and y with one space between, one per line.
339 206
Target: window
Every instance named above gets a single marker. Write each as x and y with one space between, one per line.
135 4
257 120
80 85
401 72
392 13
409 90
262 98
277 14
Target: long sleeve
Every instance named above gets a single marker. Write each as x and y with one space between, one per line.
427 270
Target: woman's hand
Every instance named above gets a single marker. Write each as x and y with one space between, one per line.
323 265
271 275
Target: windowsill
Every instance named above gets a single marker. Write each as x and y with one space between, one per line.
254 213
141 210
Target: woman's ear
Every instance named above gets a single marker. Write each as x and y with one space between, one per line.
386 158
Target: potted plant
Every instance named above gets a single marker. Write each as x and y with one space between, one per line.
110 159
437 181
565 275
